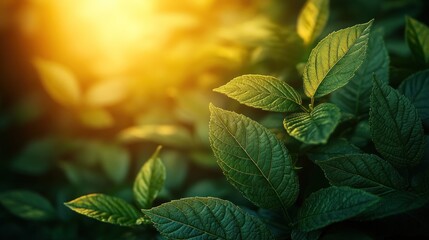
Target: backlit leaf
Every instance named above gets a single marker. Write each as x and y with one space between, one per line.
108 209
149 181
416 88
312 19
106 93
253 159
314 127
334 61
396 128
96 118
417 36
27 205
363 171
354 97
264 92
206 218
59 82
333 204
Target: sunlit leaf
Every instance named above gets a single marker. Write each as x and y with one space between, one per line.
106 93
334 61
396 128
312 19
28 205
416 88
253 159
182 219
59 82
417 36
264 92
108 209
333 204
164 134
354 97
314 127
149 181
363 171
97 118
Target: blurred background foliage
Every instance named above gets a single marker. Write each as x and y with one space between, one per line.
89 88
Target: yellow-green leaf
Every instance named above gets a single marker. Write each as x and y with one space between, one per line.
312 19
334 61
149 181
60 83
106 93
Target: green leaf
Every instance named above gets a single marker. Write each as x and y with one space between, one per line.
264 92
417 36
115 162
333 204
298 235
334 148
312 19
107 209
314 127
396 128
416 88
28 205
393 203
354 97
363 171
205 218
334 61
149 181
253 159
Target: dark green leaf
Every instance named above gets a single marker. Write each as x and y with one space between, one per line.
298 235
416 88
334 61
363 171
312 19
314 127
334 148
395 202
264 92
206 218
417 36
253 159
115 162
27 205
354 97
149 181
333 204
396 128
108 209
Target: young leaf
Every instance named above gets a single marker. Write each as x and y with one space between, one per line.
149 181
59 82
253 159
312 19
396 128
264 92
27 205
334 61
205 218
417 36
416 88
363 171
314 127
332 205
393 203
354 97
108 209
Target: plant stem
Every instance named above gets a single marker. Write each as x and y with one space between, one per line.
312 104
